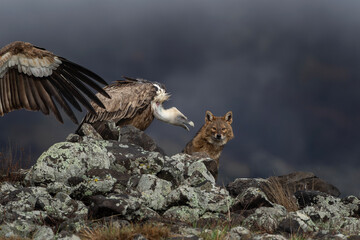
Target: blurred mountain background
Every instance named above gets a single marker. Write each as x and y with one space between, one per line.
287 69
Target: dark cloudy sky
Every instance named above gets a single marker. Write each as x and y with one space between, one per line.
289 71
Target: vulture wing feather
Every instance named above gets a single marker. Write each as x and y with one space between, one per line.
35 79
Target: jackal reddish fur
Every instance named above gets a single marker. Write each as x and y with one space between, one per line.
212 136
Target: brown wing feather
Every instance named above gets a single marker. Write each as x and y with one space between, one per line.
34 79
126 101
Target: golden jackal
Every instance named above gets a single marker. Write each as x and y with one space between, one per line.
212 136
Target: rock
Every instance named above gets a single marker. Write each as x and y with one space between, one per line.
211 166
182 213
239 233
96 181
269 237
239 185
19 199
308 198
129 179
20 228
173 169
132 159
334 214
73 138
121 205
65 160
110 131
154 191
62 207
89 131
265 219
297 223
70 237
144 214
214 200
139 237
293 182
306 181
43 233
193 237
197 174
249 199
132 135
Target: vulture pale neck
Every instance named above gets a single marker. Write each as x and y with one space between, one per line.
172 115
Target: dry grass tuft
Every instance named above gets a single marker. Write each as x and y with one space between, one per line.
112 232
280 195
12 159
13 238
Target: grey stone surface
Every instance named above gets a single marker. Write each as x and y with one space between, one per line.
88 179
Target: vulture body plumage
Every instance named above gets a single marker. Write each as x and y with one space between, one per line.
134 102
33 78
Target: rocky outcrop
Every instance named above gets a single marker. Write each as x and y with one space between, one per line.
129 178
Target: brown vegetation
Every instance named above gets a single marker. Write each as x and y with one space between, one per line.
112 232
279 194
12 160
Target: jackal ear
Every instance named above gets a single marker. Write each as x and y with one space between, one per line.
229 117
209 116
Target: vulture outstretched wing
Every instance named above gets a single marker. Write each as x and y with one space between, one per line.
128 97
33 78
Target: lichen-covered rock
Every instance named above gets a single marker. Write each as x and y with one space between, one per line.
251 198
239 233
182 213
174 169
43 233
239 185
19 199
21 228
122 205
92 186
65 159
145 213
6 187
198 173
325 208
130 179
63 207
269 237
297 222
71 237
215 200
329 212
154 191
132 159
265 218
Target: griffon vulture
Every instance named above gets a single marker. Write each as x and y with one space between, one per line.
33 78
135 102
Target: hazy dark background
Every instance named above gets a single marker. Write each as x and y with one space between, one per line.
289 71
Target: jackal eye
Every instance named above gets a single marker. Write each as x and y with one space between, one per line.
213 128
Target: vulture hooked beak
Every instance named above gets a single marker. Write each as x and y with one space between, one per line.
182 121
